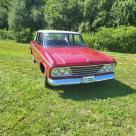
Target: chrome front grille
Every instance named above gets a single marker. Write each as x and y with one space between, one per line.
85 70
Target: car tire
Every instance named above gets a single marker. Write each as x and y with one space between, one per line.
33 59
46 84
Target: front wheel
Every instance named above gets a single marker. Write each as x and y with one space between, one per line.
33 59
46 84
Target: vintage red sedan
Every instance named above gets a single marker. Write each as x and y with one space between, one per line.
65 59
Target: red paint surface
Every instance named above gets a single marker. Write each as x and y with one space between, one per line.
76 56
68 56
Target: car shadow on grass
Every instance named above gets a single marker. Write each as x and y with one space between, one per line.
93 91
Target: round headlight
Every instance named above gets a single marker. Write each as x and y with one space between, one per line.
62 70
105 67
55 71
110 68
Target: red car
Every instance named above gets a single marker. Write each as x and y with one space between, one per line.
65 59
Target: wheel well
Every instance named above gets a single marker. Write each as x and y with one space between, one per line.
42 68
31 50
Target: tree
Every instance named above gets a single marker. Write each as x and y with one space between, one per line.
95 14
3 18
74 14
63 14
25 17
18 15
123 12
26 14
4 6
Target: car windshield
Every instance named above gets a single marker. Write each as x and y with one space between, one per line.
62 39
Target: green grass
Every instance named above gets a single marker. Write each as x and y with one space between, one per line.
27 108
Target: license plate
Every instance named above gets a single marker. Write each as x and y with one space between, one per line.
88 79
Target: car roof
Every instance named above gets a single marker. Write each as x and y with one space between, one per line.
57 31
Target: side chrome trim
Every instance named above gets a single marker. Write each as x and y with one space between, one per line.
71 81
41 55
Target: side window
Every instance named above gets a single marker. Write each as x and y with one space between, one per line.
78 39
39 38
35 36
36 39
71 39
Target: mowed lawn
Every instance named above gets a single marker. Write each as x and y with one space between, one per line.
99 109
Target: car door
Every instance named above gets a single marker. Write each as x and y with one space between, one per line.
33 45
39 47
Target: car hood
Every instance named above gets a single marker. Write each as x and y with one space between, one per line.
76 56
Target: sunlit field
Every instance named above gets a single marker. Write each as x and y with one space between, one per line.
28 108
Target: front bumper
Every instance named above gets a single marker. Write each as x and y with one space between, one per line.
71 81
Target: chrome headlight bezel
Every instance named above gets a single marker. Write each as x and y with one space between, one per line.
107 68
62 72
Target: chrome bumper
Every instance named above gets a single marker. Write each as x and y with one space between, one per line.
58 82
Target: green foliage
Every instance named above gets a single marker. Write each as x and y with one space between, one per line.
5 34
122 39
123 12
74 14
18 15
95 14
3 18
78 15
36 14
26 14
23 36
4 5
63 14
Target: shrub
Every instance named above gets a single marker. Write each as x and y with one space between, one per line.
121 39
5 34
3 17
23 36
